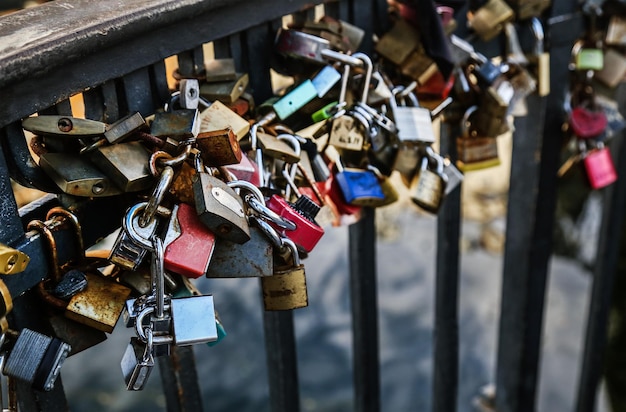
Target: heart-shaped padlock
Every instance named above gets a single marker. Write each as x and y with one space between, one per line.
586 123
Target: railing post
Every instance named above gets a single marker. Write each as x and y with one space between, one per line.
446 331
364 301
603 279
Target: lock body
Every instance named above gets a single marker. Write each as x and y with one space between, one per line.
251 259
193 320
360 187
219 147
306 234
285 290
600 168
220 208
188 243
127 164
36 359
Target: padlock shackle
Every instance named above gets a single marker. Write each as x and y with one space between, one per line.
73 219
167 177
243 184
342 58
294 250
268 231
157 269
538 32
465 122
53 254
268 214
367 61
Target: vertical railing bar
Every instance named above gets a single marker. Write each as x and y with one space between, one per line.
94 104
179 379
511 379
138 92
221 48
603 280
446 329
282 362
158 79
191 62
364 303
111 103
529 235
259 42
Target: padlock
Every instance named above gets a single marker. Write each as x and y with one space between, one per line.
76 176
227 91
307 232
389 191
100 304
454 176
137 363
525 9
419 67
428 187
599 166
325 79
491 117
125 253
79 336
295 99
399 42
189 93
188 243
407 162
220 208
414 123
219 147
12 261
251 259
359 186
540 58
300 46
616 32
220 70
586 119
489 20
193 320
614 68
587 58
36 359
475 152
276 148
125 127
127 164
182 124
219 117
181 187
246 170
286 288
60 126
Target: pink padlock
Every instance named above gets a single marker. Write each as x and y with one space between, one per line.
599 167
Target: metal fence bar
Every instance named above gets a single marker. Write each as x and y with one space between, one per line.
282 365
364 301
516 282
603 280
179 380
446 328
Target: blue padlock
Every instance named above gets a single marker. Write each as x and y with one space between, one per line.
359 186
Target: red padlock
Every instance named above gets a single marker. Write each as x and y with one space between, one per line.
188 243
436 87
599 167
586 123
246 170
307 232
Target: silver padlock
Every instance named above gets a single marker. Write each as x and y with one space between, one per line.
36 359
137 363
414 123
193 320
126 253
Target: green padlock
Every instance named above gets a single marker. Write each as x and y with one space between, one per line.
589 59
